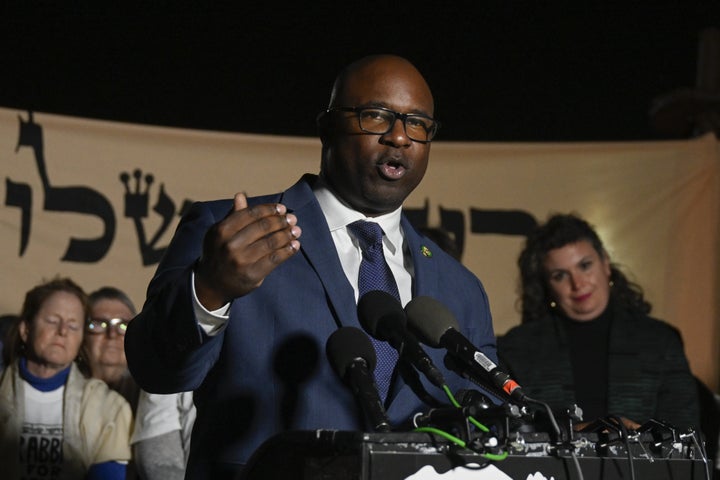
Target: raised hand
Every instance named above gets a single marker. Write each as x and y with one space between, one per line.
242 249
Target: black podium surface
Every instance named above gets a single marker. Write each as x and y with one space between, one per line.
346 455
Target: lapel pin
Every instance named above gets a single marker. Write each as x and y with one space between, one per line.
425 251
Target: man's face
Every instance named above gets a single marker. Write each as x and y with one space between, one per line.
375 173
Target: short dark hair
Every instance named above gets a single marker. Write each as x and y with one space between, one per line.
111 293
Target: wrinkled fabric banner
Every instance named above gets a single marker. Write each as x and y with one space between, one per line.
99 201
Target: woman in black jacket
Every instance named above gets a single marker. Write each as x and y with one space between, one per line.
587 338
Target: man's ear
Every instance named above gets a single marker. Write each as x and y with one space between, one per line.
324 125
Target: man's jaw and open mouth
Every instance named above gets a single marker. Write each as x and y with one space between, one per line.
391 169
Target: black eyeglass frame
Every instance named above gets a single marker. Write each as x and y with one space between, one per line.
401 116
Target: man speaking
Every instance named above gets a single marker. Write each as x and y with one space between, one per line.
250 289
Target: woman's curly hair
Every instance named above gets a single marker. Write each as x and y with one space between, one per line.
560 230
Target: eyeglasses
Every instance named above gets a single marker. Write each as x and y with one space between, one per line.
380 120
101 325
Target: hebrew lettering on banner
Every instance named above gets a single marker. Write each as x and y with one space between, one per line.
136 208
486 222
77 199
87 201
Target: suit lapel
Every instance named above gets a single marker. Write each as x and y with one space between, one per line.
425 281
319 250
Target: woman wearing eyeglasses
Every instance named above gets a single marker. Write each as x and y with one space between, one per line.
104 344
54 422
160 441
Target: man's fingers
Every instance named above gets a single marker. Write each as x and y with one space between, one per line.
243 248
240 201
253 220
264 237
248 271
269 262
241 209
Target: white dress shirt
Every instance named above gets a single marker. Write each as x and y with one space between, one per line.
339 216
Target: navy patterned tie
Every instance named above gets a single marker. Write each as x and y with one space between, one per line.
375 274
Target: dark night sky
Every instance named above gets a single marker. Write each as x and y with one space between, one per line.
500 70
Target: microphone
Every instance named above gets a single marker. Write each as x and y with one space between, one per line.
352 356
436 326
382 316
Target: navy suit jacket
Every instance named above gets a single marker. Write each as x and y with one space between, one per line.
267 371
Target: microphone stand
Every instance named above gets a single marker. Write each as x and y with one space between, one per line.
479 377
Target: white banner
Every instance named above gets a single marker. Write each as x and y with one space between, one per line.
99 201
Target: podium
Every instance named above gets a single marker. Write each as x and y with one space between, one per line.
347 455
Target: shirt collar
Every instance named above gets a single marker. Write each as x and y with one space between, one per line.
43 384
338 215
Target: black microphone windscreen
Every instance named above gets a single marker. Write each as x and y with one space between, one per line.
347 344
473 397
429 319
381 314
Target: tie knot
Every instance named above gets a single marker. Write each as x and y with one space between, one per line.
368 233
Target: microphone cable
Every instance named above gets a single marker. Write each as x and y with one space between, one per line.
383 317
625 435
558 434
455 439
